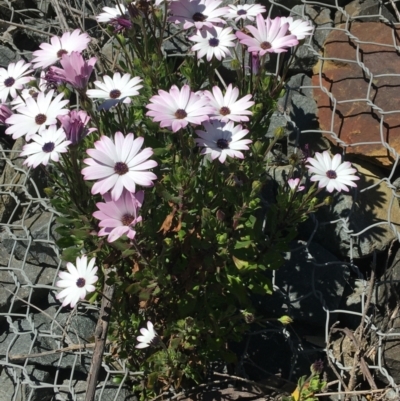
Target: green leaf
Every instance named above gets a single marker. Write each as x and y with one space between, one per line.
70 254
65 242
240 264
243 244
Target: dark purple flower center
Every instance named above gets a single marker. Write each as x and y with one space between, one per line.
115 94
241 12
213 42
127 219
265 45
40 119
331 174
48 147
80 282
121 168
199 17
61 52
222 143
224 111
9 82
180 114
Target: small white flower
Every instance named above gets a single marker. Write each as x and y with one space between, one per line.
244 11
298 28
332 173
147 337
294 184
78 281
46 145
116 89
221 140
14 78
111 13
213 42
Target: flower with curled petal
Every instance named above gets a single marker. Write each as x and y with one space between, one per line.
298 28
119 164
331 172
148 337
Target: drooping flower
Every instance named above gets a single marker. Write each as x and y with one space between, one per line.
76 70
294 184
220 140
213 42
331 172
36 115
14 78
298 28
148 336
74 124
116 89
228 108
269 36
119 217
5 112
118 164
78 282
244 11
197 13
45 145
51 53
177 108
111 13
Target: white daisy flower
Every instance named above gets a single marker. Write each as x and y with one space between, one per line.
111 13
332 173
51 53
14 78
228 108
116 89
46 145
244 11
221 140
213 42
148 336
298 28
36 115
78 281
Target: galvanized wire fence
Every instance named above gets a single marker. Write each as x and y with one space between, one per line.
45 351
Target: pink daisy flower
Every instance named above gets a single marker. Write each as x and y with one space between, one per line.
118 164
14 78
177 108
269 36
197 13
5 113
244 11
36 115
74 124
220 140
213 42
51 53
119 217
46 145
228 107
294 184
298 28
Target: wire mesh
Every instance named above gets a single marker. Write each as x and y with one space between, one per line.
31 338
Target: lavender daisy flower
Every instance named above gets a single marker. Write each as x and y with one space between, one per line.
51 53
74 125
269 36
36 115
213 42
228 107
221 140
78 281
197 13
46 145
119 217
177 108
5 112
118 164
76 70
331 172
14 78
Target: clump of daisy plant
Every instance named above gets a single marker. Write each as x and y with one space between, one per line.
156 161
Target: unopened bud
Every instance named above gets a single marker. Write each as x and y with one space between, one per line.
49 192
235 64
328 200
248 316
317 367
285 320
279 132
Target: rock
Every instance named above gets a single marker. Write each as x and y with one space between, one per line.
307 283
357 122
364 10
292 3
356 228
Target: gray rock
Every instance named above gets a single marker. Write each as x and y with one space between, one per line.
311 279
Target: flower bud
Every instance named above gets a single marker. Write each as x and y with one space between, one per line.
285 320
279 133
317 367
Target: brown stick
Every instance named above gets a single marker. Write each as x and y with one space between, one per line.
100 335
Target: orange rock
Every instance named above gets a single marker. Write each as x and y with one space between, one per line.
363 111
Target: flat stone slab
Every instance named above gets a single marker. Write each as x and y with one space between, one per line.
362 72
